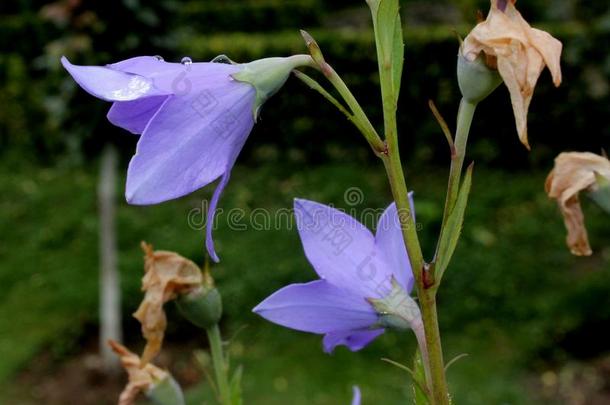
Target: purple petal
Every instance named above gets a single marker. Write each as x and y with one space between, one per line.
176 78
354 340
191 141
111 85
209 242
391 245
342 250
317 307
135 115
357 397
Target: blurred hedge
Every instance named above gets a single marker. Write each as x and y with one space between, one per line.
45 114
571 117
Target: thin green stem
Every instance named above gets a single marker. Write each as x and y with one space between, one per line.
427 295
220 367
364 124
314 85
440 391
464 122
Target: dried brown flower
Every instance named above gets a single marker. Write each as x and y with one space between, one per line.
166 275
573 173
518 51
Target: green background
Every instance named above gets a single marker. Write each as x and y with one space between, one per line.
533 319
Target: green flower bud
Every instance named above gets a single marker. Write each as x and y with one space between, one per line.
269 75
166 392
476 79
201 306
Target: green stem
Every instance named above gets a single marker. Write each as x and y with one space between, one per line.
440 392
427 295
220 368
464 122
363 122
424 279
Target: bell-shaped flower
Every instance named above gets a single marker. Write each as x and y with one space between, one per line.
359 273
194 119
575 172
518 51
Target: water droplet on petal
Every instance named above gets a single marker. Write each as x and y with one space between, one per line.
222 59
186 61
159 58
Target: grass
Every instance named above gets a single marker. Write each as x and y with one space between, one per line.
514 298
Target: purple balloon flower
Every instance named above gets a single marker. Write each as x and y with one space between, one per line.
355 267
194 119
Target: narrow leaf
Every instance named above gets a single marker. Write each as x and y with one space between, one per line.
453 228
236 391
398 57
443 124
420 396
388 30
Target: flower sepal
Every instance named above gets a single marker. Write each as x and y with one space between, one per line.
475 79
397 310
268 75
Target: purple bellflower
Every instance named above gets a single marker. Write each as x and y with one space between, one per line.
194 119
364 285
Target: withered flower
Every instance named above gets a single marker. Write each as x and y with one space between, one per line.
575 172
142 377
167 274
518 51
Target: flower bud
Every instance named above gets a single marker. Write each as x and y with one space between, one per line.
601 192
202 306
166 392
268 75
476 79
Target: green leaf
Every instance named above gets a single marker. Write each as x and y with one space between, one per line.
235 385
602 195
420 397
398 57
450 235
390 43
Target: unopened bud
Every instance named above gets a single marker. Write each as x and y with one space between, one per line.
166 392
201 306
476 79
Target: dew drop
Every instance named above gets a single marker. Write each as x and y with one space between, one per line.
159 58
186 61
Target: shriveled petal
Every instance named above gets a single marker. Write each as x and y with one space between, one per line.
342 250
110 84
390 242
573 173
521 53
135 115
354 340
317 307
142 377
166 275
191 141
